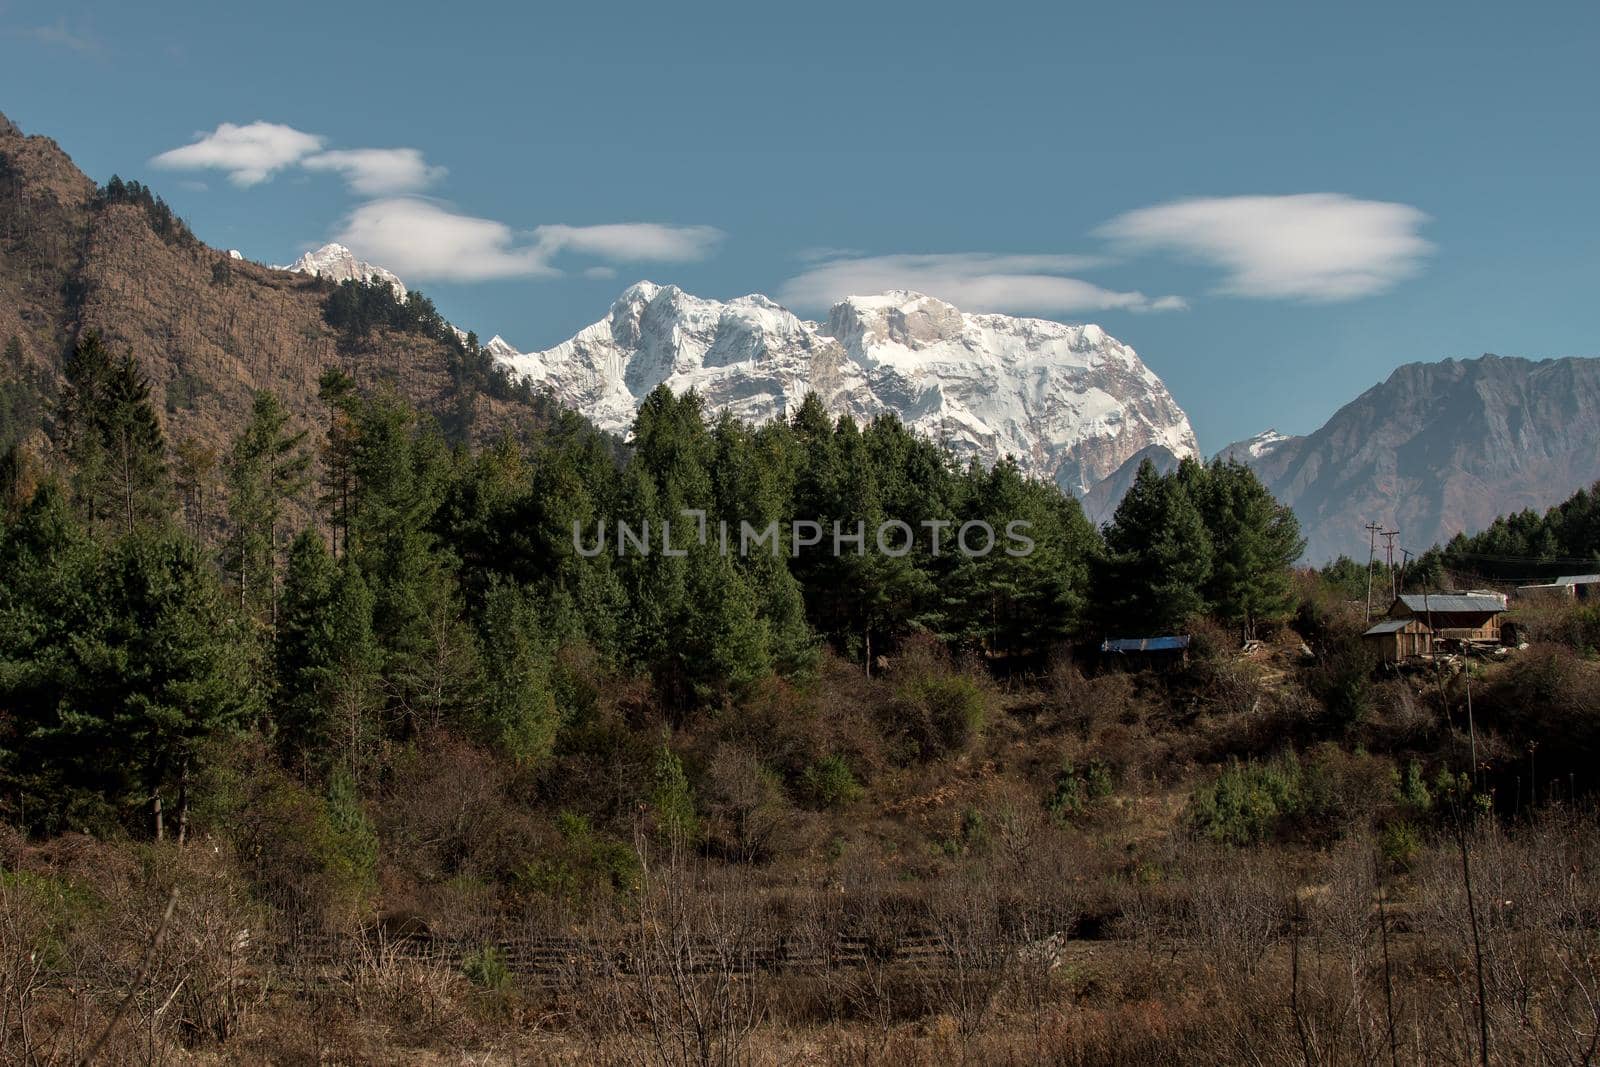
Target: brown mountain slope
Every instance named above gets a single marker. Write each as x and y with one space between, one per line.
1440 449
207 329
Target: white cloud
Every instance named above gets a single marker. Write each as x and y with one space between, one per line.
422 239
377 171
973 281
600 273
1310 246
632 242
250 154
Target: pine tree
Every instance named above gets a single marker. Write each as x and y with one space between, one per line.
129 668
266 469
1021 596
327 662
134 445
1255 540
518 712
194 475
399 471
78 424
672 801
1158 557
337 390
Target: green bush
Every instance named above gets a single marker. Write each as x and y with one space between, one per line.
672 801
1342 679
486 968
356 848
1073 791
585 868
55 904
1398 844
1248 801
309 853
1414 791
939 714
829 784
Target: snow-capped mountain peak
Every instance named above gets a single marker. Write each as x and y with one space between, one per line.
337 263
1068 402
500 348
1253 448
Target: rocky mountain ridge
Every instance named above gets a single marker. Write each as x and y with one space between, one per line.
1438 449
1070 403
208 327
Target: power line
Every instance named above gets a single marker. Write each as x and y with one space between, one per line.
1388 540
1372 529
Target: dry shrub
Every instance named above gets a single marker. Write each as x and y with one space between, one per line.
937 709
1087 705
794 728
110 961
750 818
1547 699
975 952
604 753
421 999
1535 897
1573 624
688 987
314 868
37 1024
446 812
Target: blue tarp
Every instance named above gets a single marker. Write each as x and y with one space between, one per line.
1145 644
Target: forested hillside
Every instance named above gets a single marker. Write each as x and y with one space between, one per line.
443 587
417 740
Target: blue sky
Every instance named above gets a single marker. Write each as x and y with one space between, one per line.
1275 204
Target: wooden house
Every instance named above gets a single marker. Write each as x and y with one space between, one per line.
1454 616
1397 640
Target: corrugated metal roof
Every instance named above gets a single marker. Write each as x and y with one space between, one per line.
1145 644
1390 626
1578 579
1453 603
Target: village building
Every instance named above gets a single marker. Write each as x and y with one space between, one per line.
1397 640
1454 616
1568 587
1583 586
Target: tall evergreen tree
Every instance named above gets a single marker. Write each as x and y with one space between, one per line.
111 436
266 469
122 665
517 714
327 663
1254 542
1158 557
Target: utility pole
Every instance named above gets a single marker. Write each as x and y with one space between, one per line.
1372 529
1388 538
